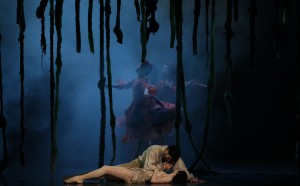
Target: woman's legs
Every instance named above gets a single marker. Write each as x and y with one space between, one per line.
119 172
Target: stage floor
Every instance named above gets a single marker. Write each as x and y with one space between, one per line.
235 174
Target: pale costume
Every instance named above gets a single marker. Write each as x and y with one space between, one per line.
140 176
129 175
152 158
139 171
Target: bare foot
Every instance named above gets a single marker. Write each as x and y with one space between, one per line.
74 179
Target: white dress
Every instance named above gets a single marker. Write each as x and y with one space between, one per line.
140 176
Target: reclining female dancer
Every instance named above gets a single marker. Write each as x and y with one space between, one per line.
132 175
149 167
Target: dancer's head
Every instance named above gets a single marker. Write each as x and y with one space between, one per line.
144 69
180 177
171 154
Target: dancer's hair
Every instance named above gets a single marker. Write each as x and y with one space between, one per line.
180 177
174 152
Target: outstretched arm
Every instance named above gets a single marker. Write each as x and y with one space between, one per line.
121 84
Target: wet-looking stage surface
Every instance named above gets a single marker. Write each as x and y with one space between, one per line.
225 174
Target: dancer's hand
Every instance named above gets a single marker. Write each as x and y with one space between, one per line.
195 180
120 82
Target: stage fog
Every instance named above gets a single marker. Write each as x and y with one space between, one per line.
263 108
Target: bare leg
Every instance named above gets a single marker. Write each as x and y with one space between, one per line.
133 164
119 172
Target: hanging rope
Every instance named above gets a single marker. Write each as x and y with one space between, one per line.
90 29
4 161
101 86
228 64
236 9
195 28
206 31
210 89
137 9
109 81
253 12
52 85
117 29
143 31
22 26
77 18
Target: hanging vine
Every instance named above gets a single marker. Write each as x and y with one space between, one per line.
101 86
117 29
90 29
195 28
180 83
206 31
41 8
228 63
77 19
276 46
40 14
52 85
180 90
143 31
210 89
137 9
286 9
148 8
178 19
4 161
298 91
236 9
22 26
172 23
188 126
58 62
109 81
253 12
151 7
43 38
